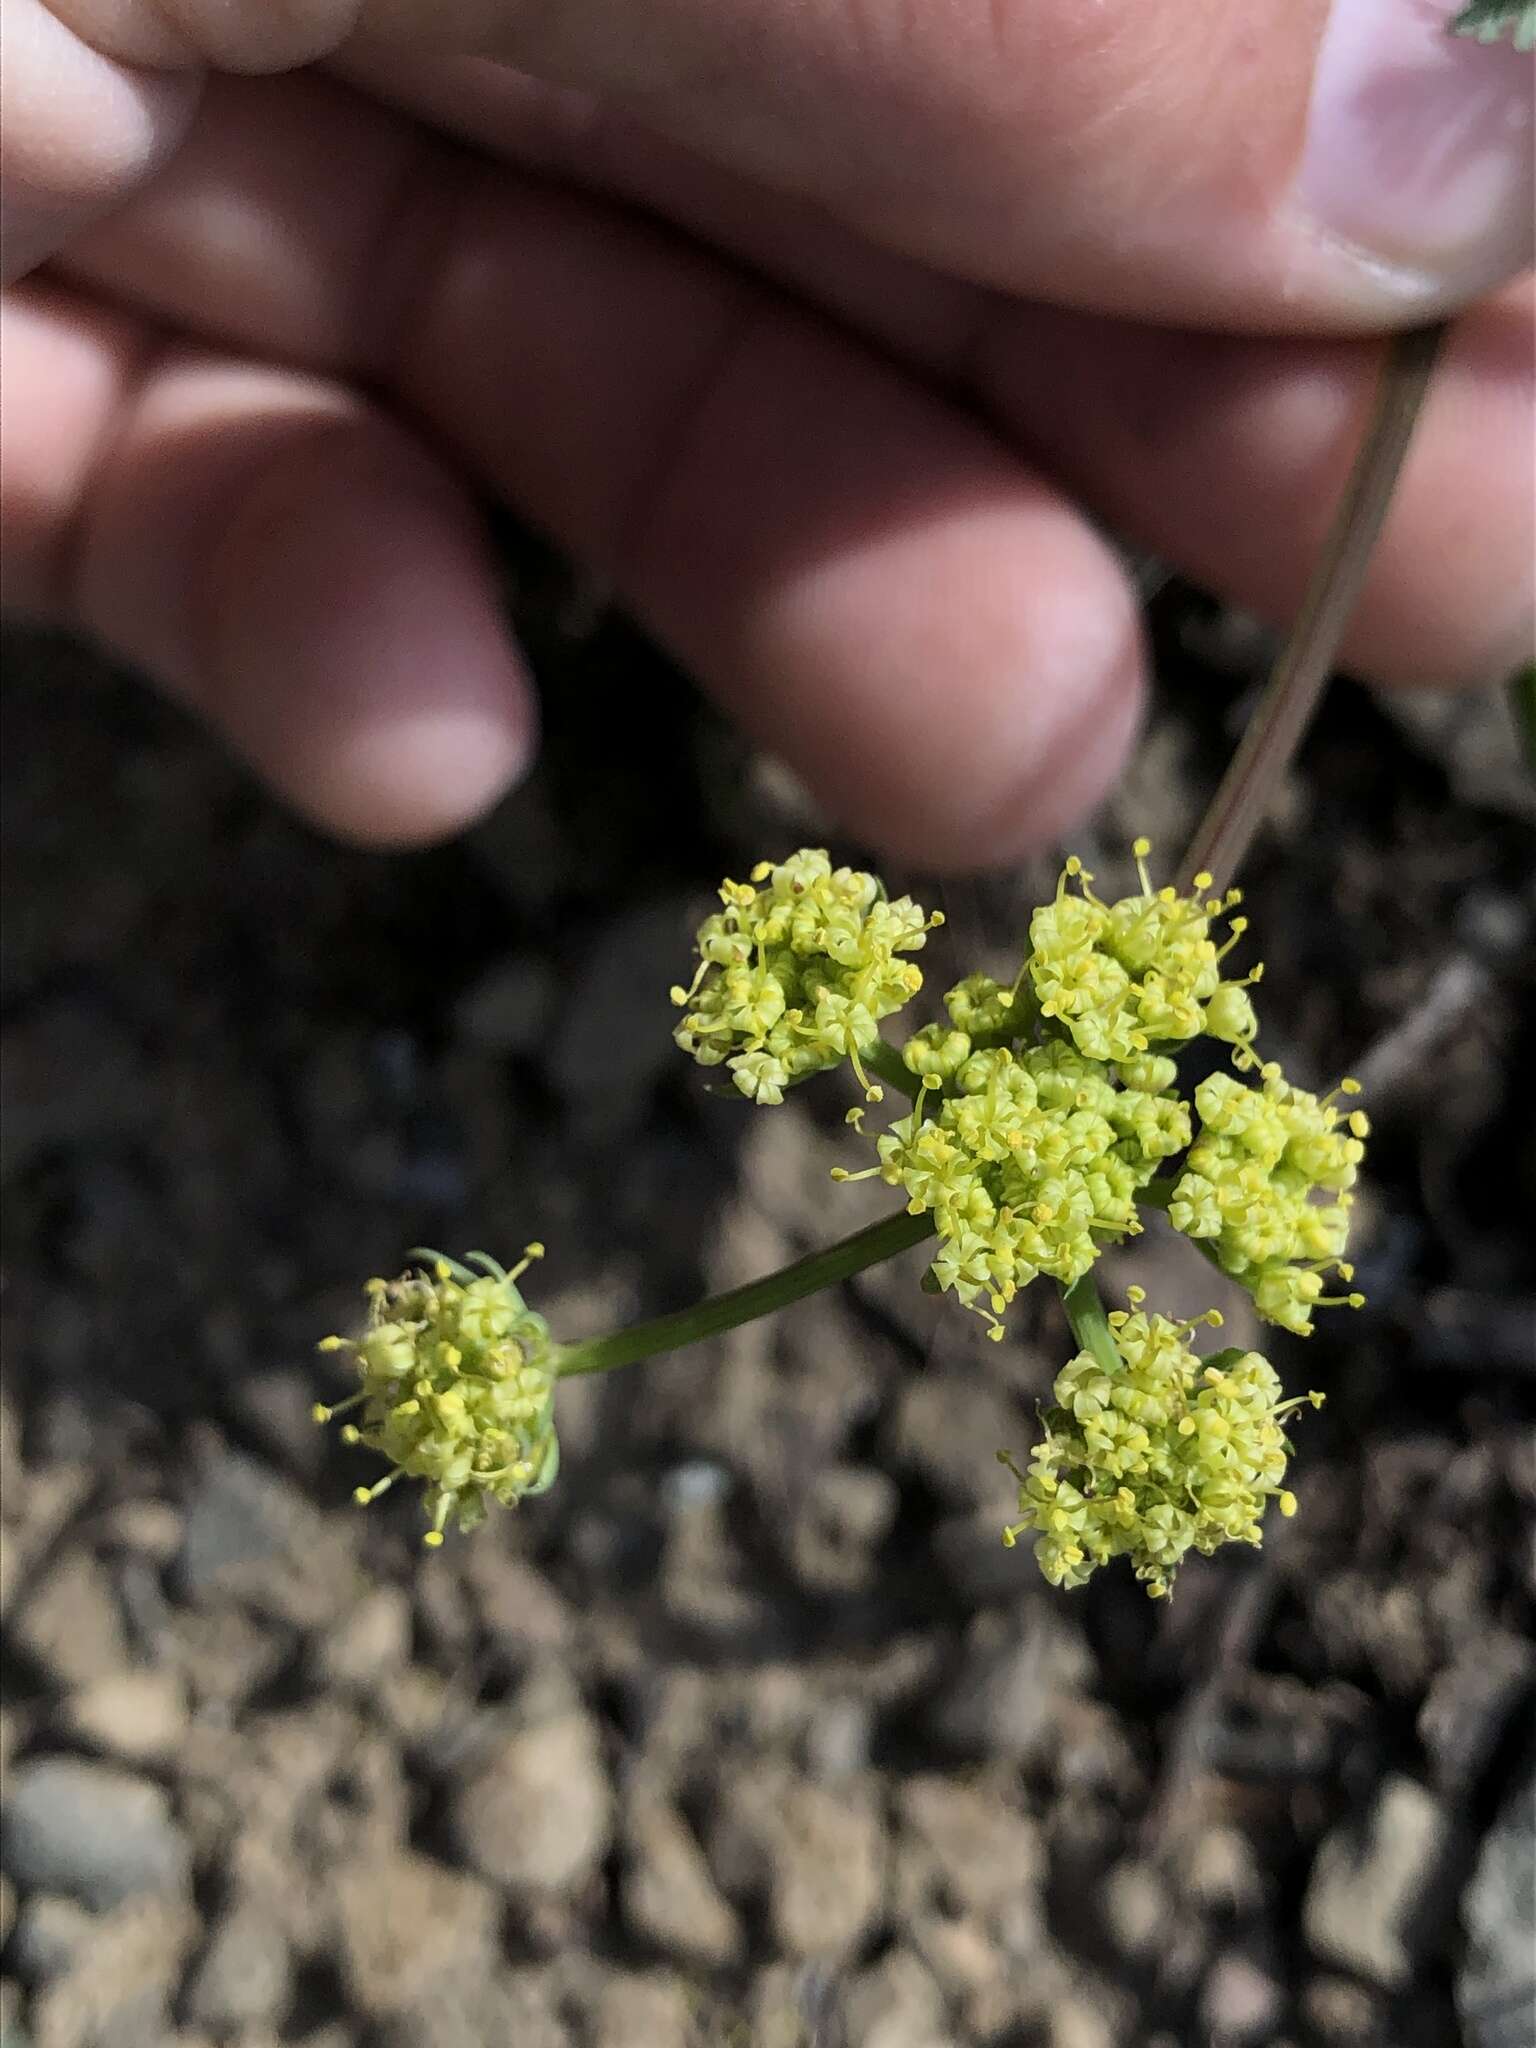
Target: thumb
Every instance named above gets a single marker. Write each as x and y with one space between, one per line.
1279 164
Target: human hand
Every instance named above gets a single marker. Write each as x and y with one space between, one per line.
821 328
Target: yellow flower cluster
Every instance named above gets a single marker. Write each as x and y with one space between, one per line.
1122 977
457 1388
1163 1453
1024 1158
796 971
1266 1185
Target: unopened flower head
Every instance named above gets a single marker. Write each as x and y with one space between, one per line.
457 1386
796 971
1267 1186
1122 978
1163 1453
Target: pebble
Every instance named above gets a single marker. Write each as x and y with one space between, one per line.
71 1624
1496 1986
50 1932
643 2012
374 1638
90 1831
1241 2003
894 2005
817 1854
117 1990
1372 1885
138 1716
1470 1704
537 1815
969 1846
669 1896
1007 1695
838 1525
244 1976
515 2009
410 1930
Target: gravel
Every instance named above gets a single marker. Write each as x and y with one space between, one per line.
92 1832
751 1730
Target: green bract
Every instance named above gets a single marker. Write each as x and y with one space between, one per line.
1165 1453
457 1388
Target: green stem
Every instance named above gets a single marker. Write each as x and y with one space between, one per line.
887 1064
1090 1324
840 1261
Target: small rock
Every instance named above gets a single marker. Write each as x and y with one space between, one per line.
139 1716
71 1624
642 2012
1496 1986
894 2005
518 1607
117 1991
1343 2013
373 1639
1008 1694
1241 2003
979 1567
12 2034
818 1855
90 1831
949 1428
837 1741
407 1926
537 1815
515 2009
669 1896
1470 1704
149 1529
50 1932
967 1846
1137 1909
244 1977
838 1525
253 1537
1372 1885
1219 1872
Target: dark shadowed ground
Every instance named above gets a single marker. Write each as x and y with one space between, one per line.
750 1734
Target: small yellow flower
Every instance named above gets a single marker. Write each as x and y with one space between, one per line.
796 971
1167 1453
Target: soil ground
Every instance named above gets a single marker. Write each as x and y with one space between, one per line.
750 1732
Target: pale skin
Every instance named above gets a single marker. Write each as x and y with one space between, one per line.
825 329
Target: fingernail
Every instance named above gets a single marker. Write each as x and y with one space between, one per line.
1418 152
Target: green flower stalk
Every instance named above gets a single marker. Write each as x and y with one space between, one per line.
1045 1116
